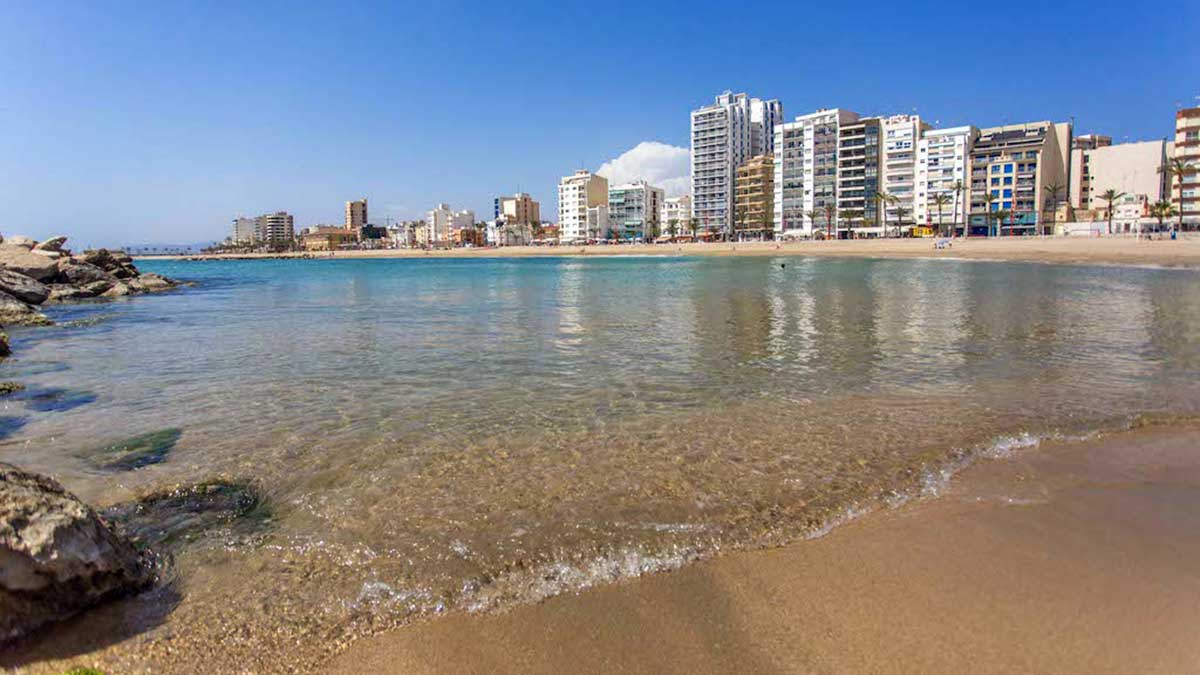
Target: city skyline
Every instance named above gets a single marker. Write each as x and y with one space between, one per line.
136 143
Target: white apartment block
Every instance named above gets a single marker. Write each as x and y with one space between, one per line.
634 210
943 158
275 228
901 133
442 221
577 194
676 213
724 135
806 173
1132 168
245 231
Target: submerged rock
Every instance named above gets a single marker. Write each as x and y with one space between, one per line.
65 292
134 453
185 513
23 288
7 388
55 400
11 424
5 350
58 556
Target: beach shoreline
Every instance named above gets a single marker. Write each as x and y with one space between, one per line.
1072 557
1184 252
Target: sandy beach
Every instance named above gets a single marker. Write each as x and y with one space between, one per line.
1071 557
1082 250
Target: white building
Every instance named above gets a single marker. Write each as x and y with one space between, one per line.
578 193
676 216
634 210
275 228
442 222
806 174
597 223
724 136
244 230
898 163
943 158
1132 168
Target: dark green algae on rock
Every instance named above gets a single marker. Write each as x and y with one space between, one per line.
136 452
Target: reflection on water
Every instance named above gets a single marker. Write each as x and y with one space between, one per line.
435 434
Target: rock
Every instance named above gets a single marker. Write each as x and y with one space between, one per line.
7 388
59 557
53 255
21 260
64 292
124 271
101 258
54 399
157 281
5 350
73 271
18 240
13 312
185 513
98 287
23 288
117 290
134 453
51 244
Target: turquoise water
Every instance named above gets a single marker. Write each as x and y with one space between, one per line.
442 434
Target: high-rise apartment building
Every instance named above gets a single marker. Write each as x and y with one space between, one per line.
633 210
518 209
676 216
900 137
245 230
859 156
276 229
943 157
356 214
754 196
1186 192
577 193
724 136
1014 165
1133 168
806 171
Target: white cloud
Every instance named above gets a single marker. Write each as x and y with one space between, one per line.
661 165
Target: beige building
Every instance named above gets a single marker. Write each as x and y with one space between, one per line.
327 238
1133 168
578 193
1186 193
276 229
356 214
1014 165
518 209
754 194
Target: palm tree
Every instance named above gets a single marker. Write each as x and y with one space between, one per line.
882 199
830 212
940 200
1162 210
850 215
1178 169
958 190
672 227
1110 195
988 198
899 215
1052 190
999 216
812 216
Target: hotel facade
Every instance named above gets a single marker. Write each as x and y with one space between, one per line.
724 136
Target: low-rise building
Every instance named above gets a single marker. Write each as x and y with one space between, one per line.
327 238
676 217
1131 168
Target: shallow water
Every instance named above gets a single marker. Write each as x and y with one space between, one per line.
439 434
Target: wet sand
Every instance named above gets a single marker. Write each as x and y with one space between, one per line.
1072 557
1080 250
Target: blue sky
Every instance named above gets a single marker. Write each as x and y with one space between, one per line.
159 122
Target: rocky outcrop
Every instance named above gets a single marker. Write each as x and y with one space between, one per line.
57 556
23 288
33 273
22 261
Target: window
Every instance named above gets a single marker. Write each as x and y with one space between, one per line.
1008 168
1008 180
995 181
1007 193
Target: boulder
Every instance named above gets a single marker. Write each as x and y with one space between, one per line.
23 288
98 287
18 240
19 259
53 255
73 271
13 312
5 350
10 387
59 557
65 292
117 290
124 271
168 519
51 244
101 258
